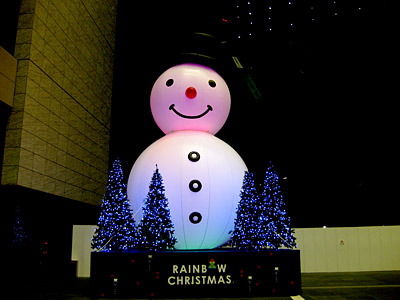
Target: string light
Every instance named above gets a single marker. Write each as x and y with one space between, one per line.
269 16
20 237
259 16
156 230
244 236
116 230
275 224
262 221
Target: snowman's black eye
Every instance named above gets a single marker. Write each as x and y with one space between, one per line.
212 83
169 82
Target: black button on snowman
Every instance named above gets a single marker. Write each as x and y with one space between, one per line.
202 174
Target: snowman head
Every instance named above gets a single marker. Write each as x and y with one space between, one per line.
190 97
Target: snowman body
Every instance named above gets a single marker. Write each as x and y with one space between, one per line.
202 174
202 177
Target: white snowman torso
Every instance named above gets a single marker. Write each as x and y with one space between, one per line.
202 174
202 177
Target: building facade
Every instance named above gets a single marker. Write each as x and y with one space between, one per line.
55 129
57 137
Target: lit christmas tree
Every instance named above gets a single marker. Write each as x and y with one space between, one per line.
156 230
275 230
245 234
116 229
19 236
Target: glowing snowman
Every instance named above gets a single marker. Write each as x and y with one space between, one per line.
202 174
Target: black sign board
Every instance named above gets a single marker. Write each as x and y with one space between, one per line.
196 274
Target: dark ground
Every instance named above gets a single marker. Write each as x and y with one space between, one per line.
316 286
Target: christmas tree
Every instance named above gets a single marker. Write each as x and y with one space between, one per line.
19 236
116 229
245 234
156 229
275 230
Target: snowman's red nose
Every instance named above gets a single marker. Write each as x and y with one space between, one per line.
191 92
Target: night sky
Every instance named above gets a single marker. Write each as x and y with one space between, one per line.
326 117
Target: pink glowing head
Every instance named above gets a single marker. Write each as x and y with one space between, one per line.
190 97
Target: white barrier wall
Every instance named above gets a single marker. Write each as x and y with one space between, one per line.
349 249
81 239
345 249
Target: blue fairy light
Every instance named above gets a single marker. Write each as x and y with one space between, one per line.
156 230
116 229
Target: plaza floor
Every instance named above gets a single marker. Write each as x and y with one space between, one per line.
315 286
351 286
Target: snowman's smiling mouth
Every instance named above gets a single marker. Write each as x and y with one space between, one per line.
172 107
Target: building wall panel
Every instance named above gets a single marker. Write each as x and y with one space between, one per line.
62 102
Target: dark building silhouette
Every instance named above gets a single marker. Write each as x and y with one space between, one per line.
55 127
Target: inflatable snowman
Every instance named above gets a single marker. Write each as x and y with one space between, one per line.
202 174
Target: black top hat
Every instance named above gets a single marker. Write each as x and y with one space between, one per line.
199 48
